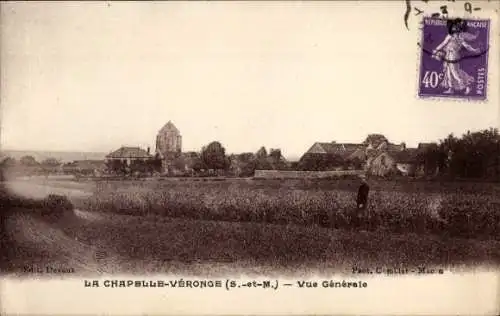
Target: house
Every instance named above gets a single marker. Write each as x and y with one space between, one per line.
406 161
428 166
391 162
335 155
329 155
334 148
129 154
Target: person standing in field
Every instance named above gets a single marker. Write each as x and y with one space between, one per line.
363 191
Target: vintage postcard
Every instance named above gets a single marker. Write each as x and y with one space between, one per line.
250 158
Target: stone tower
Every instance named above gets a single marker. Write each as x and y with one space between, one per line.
168 141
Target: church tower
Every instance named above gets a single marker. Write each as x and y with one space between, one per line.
168 141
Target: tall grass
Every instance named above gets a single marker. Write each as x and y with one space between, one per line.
450 214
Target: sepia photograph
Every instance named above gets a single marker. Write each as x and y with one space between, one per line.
281 139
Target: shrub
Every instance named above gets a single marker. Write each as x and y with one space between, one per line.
55 206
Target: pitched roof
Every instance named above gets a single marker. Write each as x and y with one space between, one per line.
339 148
170 127
395 147
129 152
404 156
359 153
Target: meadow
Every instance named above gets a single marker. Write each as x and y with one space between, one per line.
467 210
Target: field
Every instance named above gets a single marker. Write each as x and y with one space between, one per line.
215 227
442 209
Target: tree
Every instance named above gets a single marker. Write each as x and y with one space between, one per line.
50 162
138 166
263 164
5 164
474 155
28 161
116 166
375 140
214 157
246 157
9 162
275 155
154 164
429 159
198 164
261 153
294 165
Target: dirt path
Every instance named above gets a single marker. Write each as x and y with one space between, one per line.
43 245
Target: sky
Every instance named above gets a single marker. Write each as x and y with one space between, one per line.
95 76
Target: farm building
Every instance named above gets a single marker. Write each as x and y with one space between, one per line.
333 155
129 154
402 162
328 156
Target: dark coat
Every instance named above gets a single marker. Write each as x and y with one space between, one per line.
363 194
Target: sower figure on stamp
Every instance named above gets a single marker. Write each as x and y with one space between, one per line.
448 51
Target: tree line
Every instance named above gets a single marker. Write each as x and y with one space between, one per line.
29 165
474 155
211 159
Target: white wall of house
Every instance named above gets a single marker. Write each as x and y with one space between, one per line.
405 168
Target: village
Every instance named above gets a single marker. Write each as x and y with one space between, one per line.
375 155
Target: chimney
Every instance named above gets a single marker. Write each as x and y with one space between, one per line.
149 150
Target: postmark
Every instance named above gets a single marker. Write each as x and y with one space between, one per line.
454 58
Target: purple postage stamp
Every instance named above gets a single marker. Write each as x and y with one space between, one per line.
454 58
